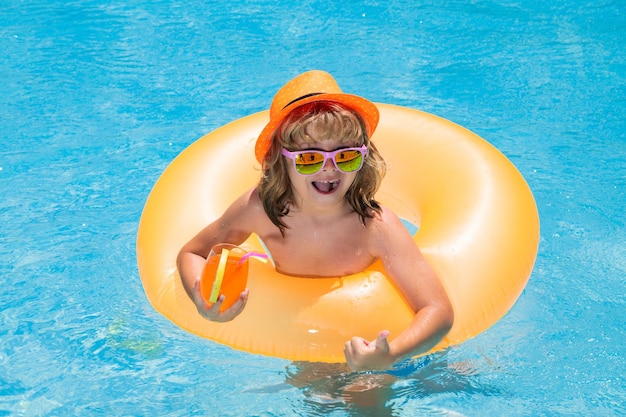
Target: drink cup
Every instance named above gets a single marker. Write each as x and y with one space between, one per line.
226 272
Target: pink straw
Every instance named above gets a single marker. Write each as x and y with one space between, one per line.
254 255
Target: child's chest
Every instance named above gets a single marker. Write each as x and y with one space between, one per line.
332 250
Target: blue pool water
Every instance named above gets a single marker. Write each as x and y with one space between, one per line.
97 97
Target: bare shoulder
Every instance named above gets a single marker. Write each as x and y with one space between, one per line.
248 201
387 234
237 222
385 224
246 211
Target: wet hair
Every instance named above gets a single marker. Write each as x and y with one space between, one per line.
335 120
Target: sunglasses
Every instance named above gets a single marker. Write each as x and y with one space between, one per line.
309 162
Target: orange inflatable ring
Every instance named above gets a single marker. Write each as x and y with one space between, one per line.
478 228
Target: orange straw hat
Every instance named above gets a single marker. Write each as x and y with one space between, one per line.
306 88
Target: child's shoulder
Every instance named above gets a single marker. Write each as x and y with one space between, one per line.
384 219
385 227
246 205
250 198
391 241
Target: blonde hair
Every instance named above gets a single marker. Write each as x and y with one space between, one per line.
335 119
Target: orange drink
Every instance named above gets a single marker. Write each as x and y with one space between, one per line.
225 272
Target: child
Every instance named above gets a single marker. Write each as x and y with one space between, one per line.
315 211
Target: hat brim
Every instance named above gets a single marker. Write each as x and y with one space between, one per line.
365 108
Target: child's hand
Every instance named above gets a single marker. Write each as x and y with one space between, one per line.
362 355
212 312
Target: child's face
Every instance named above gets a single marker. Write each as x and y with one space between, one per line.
329 186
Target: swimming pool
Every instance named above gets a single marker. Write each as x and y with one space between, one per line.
97 98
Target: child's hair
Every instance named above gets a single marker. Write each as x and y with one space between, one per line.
274 187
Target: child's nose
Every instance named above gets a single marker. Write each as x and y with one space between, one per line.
329 165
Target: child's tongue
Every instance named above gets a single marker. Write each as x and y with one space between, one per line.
325 186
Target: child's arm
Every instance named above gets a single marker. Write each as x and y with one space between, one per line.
234 227
418 282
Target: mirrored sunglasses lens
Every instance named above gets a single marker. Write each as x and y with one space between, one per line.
349 161
309 162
